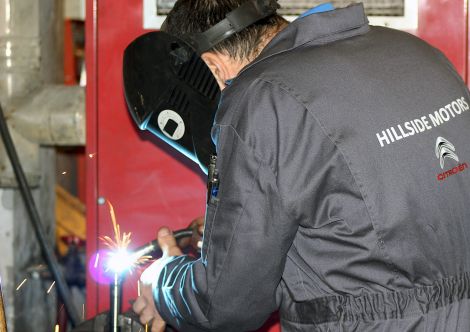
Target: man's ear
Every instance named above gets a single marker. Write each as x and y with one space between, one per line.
217 66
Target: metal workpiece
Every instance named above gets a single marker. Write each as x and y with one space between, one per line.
115 320
55 115
115 301
127 322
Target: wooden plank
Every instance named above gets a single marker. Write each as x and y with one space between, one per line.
3 321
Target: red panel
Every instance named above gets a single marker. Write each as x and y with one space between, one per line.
443 24
69 55
149 185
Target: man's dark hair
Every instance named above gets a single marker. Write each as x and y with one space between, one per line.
193 16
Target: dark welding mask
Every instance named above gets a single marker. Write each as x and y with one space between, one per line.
169 89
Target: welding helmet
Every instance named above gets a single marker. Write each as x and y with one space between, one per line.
169 89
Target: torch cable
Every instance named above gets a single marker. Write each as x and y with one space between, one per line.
33 214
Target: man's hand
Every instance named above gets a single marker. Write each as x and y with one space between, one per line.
197 225
144 306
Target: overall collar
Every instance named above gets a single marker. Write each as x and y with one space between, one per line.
318 28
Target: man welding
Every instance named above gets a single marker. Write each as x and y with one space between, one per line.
330 204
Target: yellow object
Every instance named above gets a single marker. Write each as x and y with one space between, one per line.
3 321
70 218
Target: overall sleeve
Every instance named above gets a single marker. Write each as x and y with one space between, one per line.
248 232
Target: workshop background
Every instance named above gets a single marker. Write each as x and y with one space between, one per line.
50 50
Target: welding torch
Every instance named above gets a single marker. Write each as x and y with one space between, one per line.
148 249
152 247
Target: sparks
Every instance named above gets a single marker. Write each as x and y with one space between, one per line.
96 260
50 288
22 283
63 173
119 242
120 259
91 155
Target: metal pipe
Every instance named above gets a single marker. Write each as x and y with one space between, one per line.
55 115
115 303
20 56
33 214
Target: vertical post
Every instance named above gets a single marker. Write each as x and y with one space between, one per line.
3 321
115 303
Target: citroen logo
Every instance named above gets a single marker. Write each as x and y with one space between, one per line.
445 149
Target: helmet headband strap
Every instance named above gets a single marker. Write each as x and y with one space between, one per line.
247 14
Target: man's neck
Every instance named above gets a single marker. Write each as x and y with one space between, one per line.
266 40
234 66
